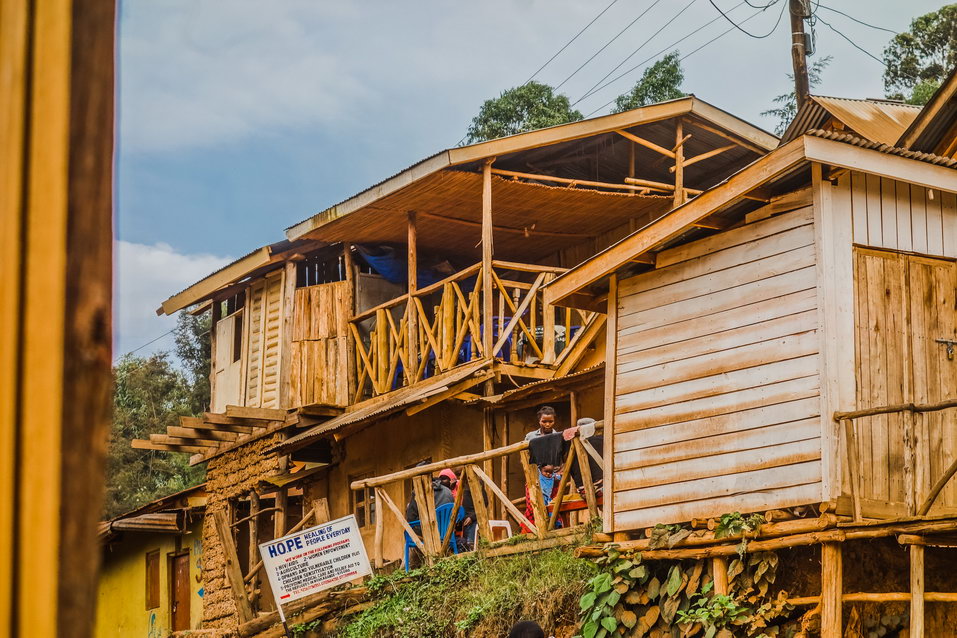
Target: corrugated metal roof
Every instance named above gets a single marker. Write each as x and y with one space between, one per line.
156 522
854 140
936 119
877 120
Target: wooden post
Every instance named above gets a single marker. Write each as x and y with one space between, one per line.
479 502
421 486
233 574
352 379
320 509
608 429
548 327
253 542
456 506
631 163
380 336
282 500
488 434
562 487
916 591
412 318
285 337
832 585
719 573
679 164
534 493
216 313
588 482
377 553
503 460
488 289
853 466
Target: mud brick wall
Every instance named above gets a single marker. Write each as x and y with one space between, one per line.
231 475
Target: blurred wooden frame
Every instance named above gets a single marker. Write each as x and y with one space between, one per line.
56 153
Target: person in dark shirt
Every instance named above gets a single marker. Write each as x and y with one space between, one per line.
440 493
546 422
469 524
526 629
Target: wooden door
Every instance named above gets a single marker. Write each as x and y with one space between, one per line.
179 592
904 304
228 362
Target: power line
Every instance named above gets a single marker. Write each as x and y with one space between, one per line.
851 42
655 55
148 343
721 35
763 8
607 44
570 41
592 90
850 17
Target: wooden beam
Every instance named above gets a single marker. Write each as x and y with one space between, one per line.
233 574
452 391
704 156
719 573
679 155
479 503
575 350
566 180
260 414
198 423
195 433
608 408
164 439
141 444
204 287
288 315
643 142
739 141
675 222
534 492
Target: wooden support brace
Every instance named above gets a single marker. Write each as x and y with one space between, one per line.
514 511
233 574
400 516
562 487
534 492
422 487
588 482
478 501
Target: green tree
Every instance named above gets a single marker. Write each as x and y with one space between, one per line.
919 59
191 336
787 102
523 108
149 395
660 82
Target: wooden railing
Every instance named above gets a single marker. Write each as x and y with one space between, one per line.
913 461
487 495
436 328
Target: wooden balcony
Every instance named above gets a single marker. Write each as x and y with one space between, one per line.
468 316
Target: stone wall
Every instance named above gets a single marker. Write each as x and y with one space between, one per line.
228 476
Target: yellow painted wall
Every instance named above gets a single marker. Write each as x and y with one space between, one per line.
121 598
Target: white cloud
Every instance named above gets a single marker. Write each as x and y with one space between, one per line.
195 74
145 276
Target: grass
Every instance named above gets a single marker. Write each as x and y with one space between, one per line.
475 596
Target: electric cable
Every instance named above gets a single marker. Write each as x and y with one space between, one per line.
851 42
570 41
607 44
721 35
148 343
748 33
850 17
593 89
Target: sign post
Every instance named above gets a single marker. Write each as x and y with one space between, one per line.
314 560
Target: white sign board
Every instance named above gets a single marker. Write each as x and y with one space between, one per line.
315 559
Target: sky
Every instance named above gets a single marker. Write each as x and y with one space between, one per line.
239 118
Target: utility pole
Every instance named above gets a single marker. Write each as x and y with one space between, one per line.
799 11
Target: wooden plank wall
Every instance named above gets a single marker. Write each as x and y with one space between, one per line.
901 216
717 403
228 387
264 342
320 344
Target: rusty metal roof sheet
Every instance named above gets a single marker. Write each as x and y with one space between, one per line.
854 140
876 120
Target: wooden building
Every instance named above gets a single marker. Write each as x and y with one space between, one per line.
151 576
401 325
804 355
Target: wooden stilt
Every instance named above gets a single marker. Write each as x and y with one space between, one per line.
679 164
487 289
832 583
854 467
719 573
916 591
377 554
